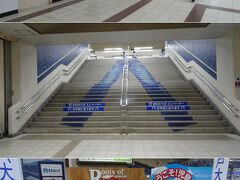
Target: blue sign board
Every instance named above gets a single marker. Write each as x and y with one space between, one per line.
51 170
166 103
162 108
83 109
84 104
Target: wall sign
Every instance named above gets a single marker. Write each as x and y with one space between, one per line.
10 168
177 171
220 168
74 173
47 169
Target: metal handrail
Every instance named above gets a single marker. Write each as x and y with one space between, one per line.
124 89
227 104
37 95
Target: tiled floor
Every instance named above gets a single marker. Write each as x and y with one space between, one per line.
154 11
115 146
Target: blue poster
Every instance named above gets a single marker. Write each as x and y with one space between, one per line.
162 108
177 171
166 103
38 169
83 109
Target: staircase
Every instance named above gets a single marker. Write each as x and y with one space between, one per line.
159 101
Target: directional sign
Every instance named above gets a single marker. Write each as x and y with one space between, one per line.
162 108
220 168
166 103
83 109
84 104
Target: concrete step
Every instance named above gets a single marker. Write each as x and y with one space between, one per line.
130 118
133 112
129 104
128 124
129 95
140 130
73 100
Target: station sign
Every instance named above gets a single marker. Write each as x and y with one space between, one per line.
178 171
87 173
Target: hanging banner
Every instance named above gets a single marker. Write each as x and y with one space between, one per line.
85 173
220 168
173 171
10 168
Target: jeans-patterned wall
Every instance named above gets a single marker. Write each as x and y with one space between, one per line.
203 52
48 55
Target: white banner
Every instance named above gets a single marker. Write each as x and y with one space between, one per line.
10 169
220 168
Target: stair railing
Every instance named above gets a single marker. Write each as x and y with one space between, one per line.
191 69
63 72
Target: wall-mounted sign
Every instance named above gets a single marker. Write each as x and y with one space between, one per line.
125 160
48 169
220 168
52 170
79 173
10 168
177 171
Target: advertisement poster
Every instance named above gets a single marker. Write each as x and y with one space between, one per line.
10 169
45 169
180 172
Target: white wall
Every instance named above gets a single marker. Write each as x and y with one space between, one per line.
2 106
8 5
24 82
225 75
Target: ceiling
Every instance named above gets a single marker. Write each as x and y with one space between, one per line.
47 34
59 28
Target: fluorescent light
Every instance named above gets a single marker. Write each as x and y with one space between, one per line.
90 49
144 50
141 48
113 49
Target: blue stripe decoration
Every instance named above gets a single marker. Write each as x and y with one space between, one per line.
151 86
172 108
203 49
84 107
47 55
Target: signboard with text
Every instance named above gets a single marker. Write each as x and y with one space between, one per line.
10 168
84 173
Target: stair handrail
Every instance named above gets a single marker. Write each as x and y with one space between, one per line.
188 69
124 89
29 104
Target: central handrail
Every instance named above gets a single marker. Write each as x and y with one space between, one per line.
124 89
28 105
227 104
